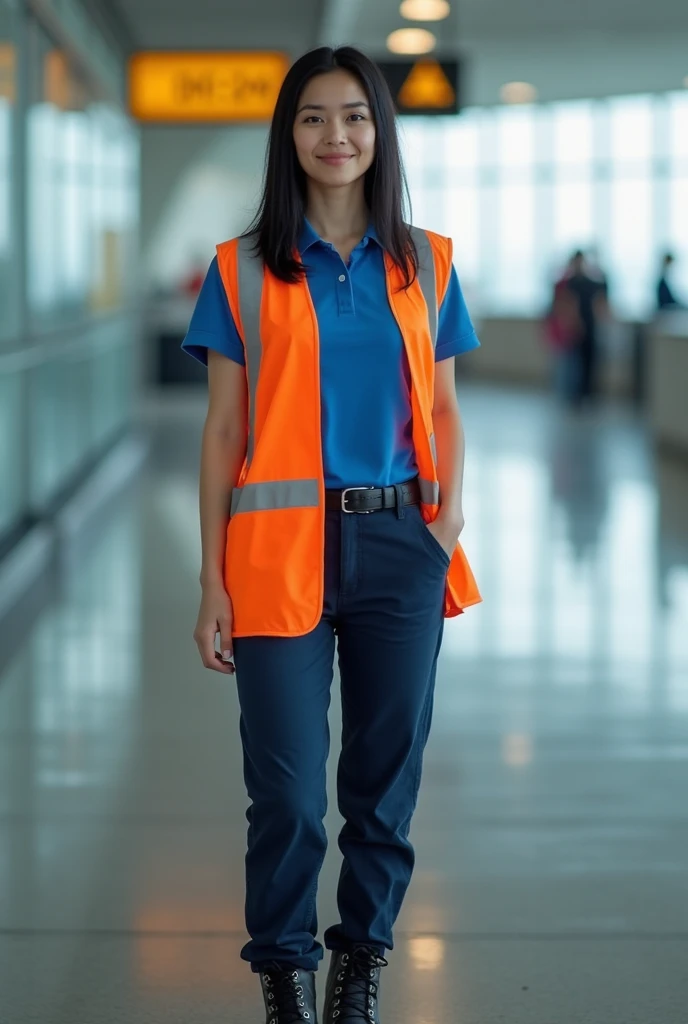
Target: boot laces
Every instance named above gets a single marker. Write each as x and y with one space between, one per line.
285 995
357 986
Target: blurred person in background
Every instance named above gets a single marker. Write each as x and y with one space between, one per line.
579 303
665 295
563 333
330 500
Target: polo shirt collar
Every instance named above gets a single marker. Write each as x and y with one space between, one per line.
309 236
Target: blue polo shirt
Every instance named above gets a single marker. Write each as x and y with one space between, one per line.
365 378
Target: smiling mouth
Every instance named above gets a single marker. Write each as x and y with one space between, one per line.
340 159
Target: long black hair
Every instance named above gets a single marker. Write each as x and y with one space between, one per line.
282 209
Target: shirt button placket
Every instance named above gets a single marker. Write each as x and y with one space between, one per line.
344 295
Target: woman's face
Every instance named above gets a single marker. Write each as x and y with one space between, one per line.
334 133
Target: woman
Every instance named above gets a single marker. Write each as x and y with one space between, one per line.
332 431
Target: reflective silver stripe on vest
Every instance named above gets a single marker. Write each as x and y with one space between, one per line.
250 277
429 491
426 277
275 495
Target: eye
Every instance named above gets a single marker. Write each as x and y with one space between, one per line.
359 117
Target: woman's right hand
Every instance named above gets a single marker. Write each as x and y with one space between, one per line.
215 616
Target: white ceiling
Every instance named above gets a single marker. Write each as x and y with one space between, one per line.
490 19
567 48
290 25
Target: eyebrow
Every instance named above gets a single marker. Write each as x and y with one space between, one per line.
345 106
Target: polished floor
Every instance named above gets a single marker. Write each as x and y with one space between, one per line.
552 832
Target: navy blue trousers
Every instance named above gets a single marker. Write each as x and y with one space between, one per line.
384 594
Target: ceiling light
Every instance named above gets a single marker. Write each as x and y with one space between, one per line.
411 40
518 92
425 10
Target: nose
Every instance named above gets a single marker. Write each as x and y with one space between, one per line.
336 134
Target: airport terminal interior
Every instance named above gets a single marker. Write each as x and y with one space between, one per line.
551 876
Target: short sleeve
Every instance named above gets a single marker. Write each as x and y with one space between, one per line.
455 331
212 324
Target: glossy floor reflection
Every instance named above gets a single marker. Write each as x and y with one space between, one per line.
552 879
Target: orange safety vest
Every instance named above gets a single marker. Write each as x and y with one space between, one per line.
274 557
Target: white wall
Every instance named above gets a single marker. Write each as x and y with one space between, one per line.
200 186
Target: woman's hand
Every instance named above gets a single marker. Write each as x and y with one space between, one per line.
215 616
446 531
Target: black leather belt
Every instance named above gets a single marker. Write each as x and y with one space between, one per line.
371 499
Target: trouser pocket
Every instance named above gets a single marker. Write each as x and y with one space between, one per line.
431 543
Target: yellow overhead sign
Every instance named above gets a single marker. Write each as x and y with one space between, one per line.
8 62
427 86
187 87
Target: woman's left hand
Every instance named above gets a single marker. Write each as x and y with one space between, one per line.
446 531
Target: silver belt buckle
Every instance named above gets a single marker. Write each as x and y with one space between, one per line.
355 511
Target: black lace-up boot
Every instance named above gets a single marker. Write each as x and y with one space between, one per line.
289 994
353 983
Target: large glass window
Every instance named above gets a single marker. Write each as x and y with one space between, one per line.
9 292
114 211
79 176
82 192
519 189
